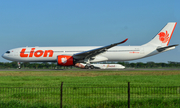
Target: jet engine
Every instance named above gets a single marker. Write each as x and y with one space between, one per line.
65 60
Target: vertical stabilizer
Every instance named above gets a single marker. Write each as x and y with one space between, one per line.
163 37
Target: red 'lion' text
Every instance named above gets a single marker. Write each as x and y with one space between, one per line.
38 53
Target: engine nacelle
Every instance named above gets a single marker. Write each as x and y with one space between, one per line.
65 60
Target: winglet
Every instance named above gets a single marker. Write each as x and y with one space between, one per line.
124 40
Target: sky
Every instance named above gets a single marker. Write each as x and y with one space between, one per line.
87 23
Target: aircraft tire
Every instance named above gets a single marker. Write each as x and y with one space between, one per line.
89 67
86 67
92 67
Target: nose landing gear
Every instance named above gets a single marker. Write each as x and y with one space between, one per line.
19 65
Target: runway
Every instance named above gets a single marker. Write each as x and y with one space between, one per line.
127 69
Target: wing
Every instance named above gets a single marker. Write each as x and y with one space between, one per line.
94 52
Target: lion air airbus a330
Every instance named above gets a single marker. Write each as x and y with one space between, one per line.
74 56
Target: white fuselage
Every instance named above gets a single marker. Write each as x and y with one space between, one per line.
118 53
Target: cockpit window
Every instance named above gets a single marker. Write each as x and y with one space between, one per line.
8 52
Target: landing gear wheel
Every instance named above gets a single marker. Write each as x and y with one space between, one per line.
89 67
92 67
19 65
86 67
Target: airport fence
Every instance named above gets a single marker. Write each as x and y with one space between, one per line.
77 96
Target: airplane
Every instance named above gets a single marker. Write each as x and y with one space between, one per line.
101 66
70 56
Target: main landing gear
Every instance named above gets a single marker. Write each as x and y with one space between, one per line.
89 67
88 64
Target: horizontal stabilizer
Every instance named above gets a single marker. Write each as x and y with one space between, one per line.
162 49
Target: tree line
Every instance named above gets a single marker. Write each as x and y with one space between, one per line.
44 65
53 65
150 64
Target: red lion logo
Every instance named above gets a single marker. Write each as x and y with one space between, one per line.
163 37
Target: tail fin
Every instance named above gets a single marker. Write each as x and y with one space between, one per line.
163 37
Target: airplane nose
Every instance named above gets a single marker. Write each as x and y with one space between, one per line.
3 56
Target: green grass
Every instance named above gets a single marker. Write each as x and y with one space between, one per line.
32 88
54 78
